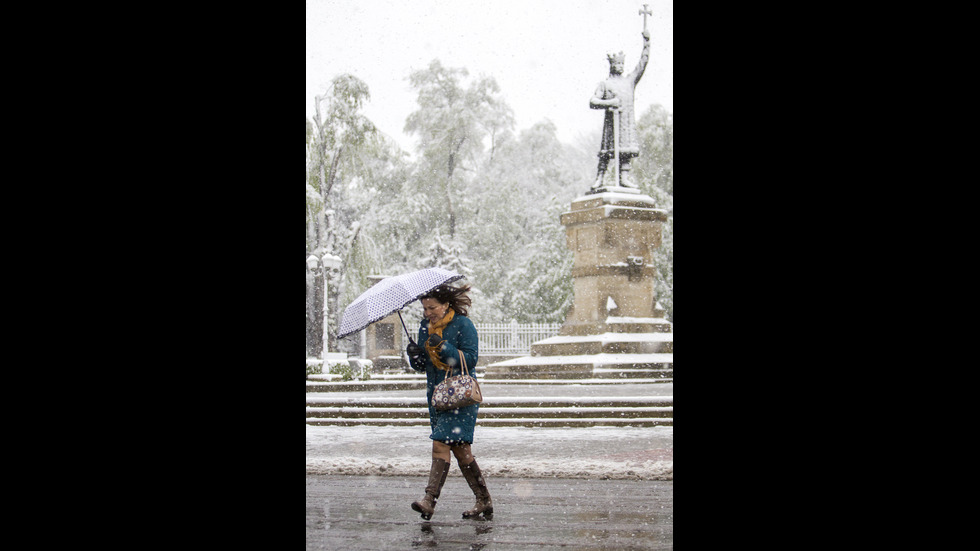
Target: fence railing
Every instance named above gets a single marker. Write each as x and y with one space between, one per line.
513 338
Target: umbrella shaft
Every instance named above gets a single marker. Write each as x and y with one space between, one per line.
405 328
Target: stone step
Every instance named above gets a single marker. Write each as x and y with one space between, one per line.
500 402
588 366
360 386
628 375
605 343
492 413
599 376
607 376
617 324
602 360
592 361
521 422
503 411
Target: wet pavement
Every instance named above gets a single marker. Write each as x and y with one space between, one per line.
598 488
631 453
374 512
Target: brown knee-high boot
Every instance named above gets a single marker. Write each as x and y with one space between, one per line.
484 505
437 477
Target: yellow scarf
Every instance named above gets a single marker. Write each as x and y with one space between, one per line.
436 329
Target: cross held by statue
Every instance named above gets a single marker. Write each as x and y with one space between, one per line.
645 12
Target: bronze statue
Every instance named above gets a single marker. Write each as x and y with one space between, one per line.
615 95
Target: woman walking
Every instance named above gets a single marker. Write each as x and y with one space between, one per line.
444 333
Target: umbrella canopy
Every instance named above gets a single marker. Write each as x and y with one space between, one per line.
390 295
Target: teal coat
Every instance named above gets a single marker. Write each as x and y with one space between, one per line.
452 426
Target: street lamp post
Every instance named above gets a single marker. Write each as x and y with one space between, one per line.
321 266
329 262
313 263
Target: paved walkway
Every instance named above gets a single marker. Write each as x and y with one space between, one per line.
600 488
625 453
643 453
374 512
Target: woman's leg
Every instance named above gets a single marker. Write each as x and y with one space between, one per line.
441 450
464 455
437 477
471 472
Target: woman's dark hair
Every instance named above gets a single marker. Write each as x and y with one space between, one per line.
455 296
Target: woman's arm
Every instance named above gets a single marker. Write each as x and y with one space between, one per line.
467 341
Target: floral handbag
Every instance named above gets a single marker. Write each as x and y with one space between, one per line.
456 392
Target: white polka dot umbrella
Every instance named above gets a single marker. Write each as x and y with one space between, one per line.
390 295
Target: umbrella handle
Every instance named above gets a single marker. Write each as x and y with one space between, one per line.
405 328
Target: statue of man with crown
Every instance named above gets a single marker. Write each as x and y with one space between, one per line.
615 95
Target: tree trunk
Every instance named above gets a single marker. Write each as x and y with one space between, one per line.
449 181
332 177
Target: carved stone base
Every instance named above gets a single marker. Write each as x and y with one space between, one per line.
615 327
613 237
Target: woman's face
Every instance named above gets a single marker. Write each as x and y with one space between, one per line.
433 310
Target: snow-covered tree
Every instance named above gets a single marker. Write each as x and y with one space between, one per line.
654 170
452 123
446 254
478 198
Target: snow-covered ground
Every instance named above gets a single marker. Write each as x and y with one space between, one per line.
640 453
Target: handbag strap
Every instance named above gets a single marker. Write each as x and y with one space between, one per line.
465 370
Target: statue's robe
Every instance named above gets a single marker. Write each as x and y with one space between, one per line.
622 87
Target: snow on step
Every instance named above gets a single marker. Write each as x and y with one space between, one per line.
609 338
595 360
502 422
490 402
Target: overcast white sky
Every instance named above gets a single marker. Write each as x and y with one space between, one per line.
546 55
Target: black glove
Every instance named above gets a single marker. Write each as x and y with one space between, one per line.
415 356
414 349
434 340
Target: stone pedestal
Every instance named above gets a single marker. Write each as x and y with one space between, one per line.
615 327
613 236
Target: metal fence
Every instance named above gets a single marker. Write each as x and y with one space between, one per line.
513 338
